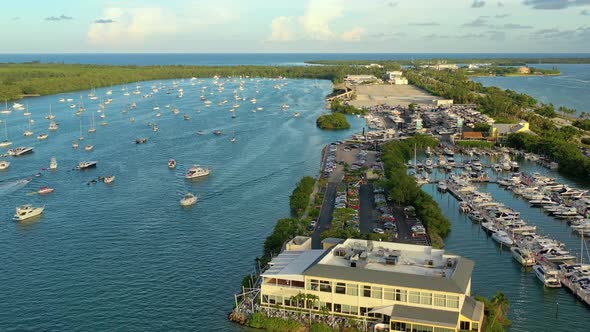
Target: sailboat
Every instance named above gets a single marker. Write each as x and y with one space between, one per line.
81 138
92 129
28 132
50 116
5 143
233 138
5 110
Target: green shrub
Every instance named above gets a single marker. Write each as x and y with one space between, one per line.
334 121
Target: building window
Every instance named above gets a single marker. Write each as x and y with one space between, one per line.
325 286
475 326
287 302
452 301
376 292
367 291
271 299
440 300
401 295
340 288
414 297
426 298
399 326
388 294
352 289
314 284
264 298
364 311
421 328
337 307
442 329
463 325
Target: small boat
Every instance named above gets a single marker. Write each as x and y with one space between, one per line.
108 179
155 127
548 276
27 211
132 119
89 147
217 132
86 165
20 151
53 163
172 164
42 137
188 200
186 117
475 216
4 164
524 256
464 207
45 190
75 145
502 238
200 132
296 114
141 140
441 186
197 172
53 126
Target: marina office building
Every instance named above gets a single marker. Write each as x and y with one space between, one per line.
401 286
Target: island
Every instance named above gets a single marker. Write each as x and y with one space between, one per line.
333 121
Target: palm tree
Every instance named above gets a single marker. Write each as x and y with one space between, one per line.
500 306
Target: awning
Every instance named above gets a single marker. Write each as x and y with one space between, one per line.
384 310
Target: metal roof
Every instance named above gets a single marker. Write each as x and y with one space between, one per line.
472 309
425 316
292 263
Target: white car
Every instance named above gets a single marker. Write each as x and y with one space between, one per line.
378 231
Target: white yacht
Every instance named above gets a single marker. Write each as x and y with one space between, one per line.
548 276
503 238
86 164
42 137
172 164
4 164
27 211
108 179
524 256
20 151
89 147
188 200
53 163
475 216
5 143
442 186
197 172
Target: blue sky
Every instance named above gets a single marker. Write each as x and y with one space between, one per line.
259 26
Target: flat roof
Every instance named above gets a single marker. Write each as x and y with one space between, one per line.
425 316
394 264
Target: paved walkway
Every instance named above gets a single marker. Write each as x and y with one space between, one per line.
325 218
367 208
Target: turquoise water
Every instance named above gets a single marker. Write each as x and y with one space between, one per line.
570 89
126 256
533 307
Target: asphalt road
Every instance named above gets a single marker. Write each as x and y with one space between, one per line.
367 208
325 218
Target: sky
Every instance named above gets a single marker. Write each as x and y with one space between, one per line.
295 26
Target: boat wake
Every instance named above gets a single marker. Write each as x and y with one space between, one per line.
8 187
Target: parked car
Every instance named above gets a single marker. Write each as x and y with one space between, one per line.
312 225
378 231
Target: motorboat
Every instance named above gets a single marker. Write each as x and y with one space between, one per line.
524 256
171 163
441 186
200 132
141 140
186 117
548 276
502 238
296 114
489 227
75 145
217 132
21 150
53 163
197 172
464 207
53 126
86 164
543 201
4 164
188 200
42 137
45 190
89 147
108 179
27 211
475 216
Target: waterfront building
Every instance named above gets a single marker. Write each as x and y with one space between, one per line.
404 287
503 129
395 77
359 79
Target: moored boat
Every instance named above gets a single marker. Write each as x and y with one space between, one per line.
4 165
188 200
53 163
108 179
171 163
21 150
86 164
548 276
524 256
45 190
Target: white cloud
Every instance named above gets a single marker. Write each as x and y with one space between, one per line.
354 34
282 29
318 16
134 26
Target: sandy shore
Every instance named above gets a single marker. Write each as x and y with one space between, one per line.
369 95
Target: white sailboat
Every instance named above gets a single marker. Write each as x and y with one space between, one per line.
28 132
92 128
6 142
81 138
5 110
50 116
